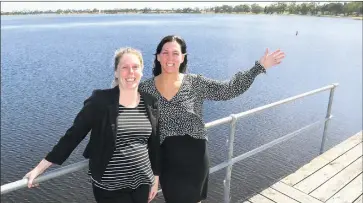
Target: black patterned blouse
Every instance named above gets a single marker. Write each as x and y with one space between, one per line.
183 113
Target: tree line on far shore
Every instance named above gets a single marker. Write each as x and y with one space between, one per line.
312 8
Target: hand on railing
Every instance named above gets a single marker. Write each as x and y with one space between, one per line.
39 169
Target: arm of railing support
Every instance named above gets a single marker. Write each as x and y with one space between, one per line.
328 116
230 141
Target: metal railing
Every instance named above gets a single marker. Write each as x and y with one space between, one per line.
232 119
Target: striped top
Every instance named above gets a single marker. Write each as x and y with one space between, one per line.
129 166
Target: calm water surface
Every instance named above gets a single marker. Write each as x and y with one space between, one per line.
50 64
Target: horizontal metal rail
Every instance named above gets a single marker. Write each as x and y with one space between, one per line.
258 109
47 176
9 187
263 147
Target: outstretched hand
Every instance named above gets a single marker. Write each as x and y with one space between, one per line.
273 59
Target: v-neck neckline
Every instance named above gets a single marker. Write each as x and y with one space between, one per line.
176 94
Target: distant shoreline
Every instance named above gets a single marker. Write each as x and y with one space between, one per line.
204 13
353 10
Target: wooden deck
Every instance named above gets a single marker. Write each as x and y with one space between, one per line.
333 177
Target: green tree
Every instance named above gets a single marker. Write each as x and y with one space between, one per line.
255 8
238 9
352 7
196 10
218 9
292 8
227 8
281 7
312 8
335 8
187 10
146 10
246 8
271 9
304 9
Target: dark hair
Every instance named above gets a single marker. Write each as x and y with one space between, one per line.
171 38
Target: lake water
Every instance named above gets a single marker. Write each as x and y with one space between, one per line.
51 63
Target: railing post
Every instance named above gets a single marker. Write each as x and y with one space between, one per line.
230 141
328 117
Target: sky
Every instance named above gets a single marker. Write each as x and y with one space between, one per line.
9 6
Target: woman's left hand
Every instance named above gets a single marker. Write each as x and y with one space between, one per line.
154 189
269 60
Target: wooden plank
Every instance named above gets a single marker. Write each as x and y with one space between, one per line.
349 193
315 180
294 193
277 196
332 186
243 201
359 200
260 199
323 159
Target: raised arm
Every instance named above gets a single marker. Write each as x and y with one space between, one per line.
224 90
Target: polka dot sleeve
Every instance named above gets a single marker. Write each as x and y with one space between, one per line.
224 90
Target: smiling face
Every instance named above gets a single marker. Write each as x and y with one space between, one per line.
170 57
129 71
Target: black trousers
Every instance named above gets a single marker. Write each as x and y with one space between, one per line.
127 195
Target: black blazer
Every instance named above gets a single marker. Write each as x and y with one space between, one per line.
99 115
